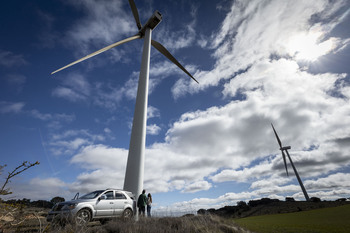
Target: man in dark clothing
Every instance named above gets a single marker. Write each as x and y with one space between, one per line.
141 203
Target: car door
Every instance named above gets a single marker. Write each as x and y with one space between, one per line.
105 205
120 202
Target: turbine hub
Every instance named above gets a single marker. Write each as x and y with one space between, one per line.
285 148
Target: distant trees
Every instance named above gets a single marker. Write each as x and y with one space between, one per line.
241 204
315 199
341 199
57 200
288 199
28 203
262 201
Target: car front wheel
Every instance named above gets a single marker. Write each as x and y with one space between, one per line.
83 217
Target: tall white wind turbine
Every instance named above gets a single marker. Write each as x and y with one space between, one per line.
286 148
135 166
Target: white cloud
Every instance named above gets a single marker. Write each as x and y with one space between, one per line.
105 23
16 80
74 133
245 174
72 141
270 188
67 93
39 189
230 137
75 88
255 31
54 117
181 38
107 130
222 143
337 181
105 168
153 129
152 112
10 107
197 186
158 72
68 147
9 59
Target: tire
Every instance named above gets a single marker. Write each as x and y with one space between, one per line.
83 217
127 214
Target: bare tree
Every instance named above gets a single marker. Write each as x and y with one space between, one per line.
18 170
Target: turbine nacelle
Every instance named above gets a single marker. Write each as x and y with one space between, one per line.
152 22
285 148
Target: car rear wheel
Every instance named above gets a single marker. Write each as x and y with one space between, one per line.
127 214
83 217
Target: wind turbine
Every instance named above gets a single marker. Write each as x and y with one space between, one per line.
135 165
286 148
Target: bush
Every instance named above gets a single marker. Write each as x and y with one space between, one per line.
241 204
56 200
315 199
290 199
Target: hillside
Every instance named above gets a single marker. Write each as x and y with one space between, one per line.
323 220
272 207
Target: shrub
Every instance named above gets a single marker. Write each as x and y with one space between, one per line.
315 199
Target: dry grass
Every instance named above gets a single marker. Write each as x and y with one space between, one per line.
197 224
18 219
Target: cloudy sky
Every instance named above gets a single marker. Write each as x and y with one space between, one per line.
209 144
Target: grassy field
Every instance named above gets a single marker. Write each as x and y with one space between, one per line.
327 220
187 224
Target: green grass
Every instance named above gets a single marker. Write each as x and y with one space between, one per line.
327 220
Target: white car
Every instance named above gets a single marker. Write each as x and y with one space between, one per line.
97 205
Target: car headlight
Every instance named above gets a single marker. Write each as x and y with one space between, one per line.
69 206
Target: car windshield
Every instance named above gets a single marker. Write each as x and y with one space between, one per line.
91 195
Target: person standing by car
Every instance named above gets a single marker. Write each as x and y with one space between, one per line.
142 202
149 204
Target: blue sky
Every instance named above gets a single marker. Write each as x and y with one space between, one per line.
208 144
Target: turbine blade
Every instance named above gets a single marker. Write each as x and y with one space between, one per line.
278 139
99 51
135 13
166 53
285 163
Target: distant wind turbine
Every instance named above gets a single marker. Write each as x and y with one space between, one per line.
286 148
135 166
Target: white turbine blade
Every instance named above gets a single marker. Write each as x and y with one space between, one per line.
135 13
99 51
285 163
278 139
166 53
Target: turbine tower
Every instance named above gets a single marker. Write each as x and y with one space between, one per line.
286 148
135 165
